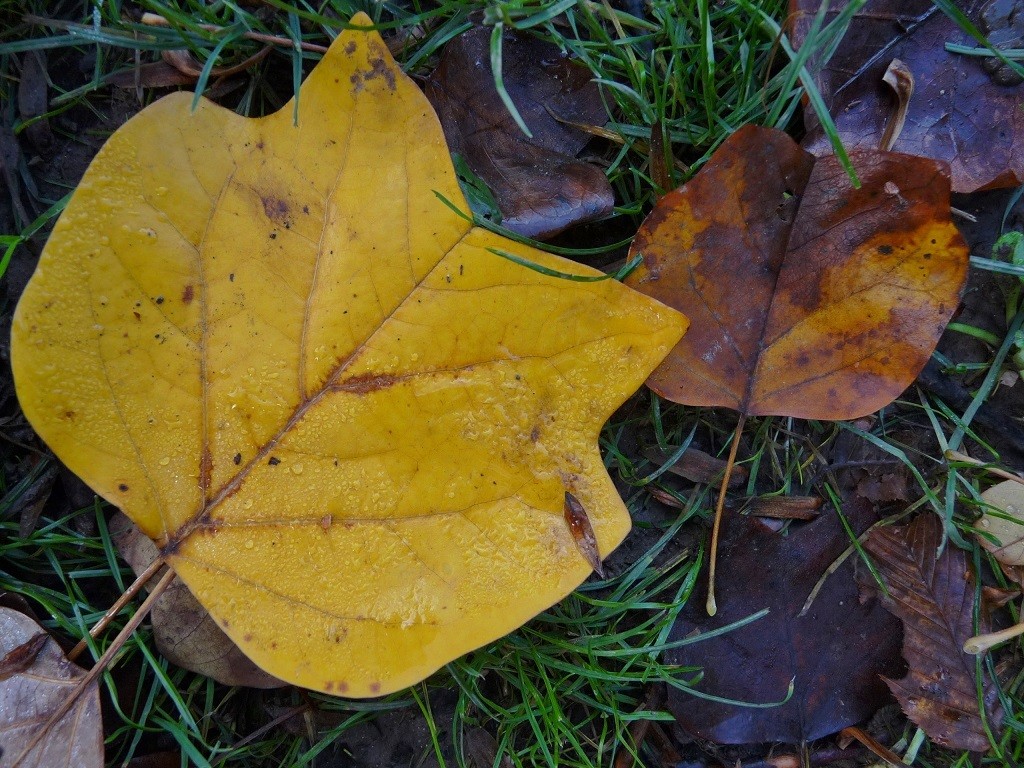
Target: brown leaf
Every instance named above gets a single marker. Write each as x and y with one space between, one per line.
582 532
834 654
155 74
960 112
29 696
540 187
807 297
700 467
185 633
932 596
785 507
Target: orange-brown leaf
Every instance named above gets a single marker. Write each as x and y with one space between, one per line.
808 297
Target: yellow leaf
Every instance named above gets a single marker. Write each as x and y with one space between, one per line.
349 426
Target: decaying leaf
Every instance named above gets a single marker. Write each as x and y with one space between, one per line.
808 297
930 593
540 186
698 466
348 425
833 654
35 686
963 111
184 631
1004 530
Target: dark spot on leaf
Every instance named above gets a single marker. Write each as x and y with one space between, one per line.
231 277
137 315
886 249
329 686
122 487
535 434
188 294
374 687
247 637
342 686
237 459
350 47
206 468
275 208
159 299
273 461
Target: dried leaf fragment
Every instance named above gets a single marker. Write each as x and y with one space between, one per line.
32 689
348 425
932 596
582 532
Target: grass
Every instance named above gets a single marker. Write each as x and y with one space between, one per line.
571 687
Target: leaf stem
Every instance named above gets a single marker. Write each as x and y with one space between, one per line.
711 605
100 666
141 580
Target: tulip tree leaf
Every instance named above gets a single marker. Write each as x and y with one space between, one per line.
348 425
809 297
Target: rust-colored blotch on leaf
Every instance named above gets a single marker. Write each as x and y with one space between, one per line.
348 425
808 297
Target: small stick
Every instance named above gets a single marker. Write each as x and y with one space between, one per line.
711 606
156 20
99 667
140 581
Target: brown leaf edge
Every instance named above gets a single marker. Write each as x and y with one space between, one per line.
933 597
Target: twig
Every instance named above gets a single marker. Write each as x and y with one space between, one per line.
140 581
98 668
156 20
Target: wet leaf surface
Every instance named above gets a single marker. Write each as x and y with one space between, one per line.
834 654
35 681
184 631
961 112
540 186
933 597
348 425
808 297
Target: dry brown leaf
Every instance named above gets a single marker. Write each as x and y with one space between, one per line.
30 694
931 594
